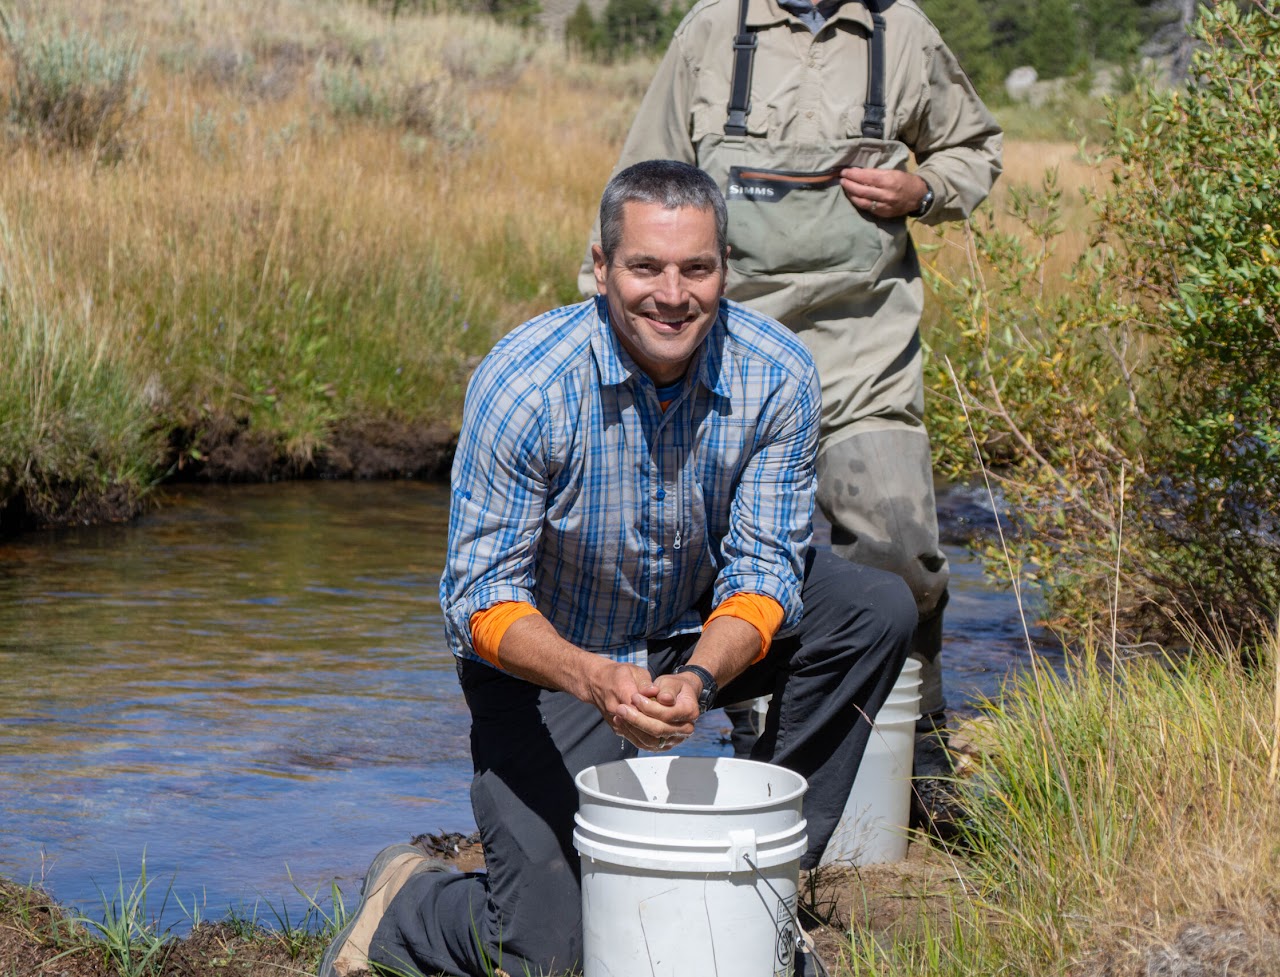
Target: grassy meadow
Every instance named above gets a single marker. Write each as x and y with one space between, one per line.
308 217
293 221
286 222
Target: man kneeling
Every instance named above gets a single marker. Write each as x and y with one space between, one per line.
629 545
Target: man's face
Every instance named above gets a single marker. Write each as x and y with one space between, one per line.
663 285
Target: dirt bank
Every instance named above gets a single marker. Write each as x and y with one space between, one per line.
227 449
881 903
37 939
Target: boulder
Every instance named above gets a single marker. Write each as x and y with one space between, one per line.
1020 81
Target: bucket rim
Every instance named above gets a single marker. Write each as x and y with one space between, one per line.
631 802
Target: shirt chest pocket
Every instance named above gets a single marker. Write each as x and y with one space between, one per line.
722 453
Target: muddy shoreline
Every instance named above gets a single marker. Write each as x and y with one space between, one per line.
227 450
37 939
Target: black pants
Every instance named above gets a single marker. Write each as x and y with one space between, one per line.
828 679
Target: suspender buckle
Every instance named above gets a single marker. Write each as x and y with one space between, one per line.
736 124
873 122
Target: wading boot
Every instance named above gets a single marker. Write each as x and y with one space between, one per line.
391 869
935 806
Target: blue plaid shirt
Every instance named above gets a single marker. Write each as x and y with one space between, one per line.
574 491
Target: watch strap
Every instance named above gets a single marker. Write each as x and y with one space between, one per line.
709 687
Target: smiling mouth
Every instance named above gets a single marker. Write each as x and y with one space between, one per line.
677 322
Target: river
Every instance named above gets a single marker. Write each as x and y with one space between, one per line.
249 688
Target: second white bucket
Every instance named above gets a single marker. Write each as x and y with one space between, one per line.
690 865
873 828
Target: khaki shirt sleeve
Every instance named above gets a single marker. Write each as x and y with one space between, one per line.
956 141
660 130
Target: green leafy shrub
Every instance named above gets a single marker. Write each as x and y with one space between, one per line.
485 54
1133 417
349 94
72 90
965 26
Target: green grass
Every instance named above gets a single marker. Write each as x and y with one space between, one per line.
1116 806
127 936
72 412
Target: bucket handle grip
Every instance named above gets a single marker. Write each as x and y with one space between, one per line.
742 848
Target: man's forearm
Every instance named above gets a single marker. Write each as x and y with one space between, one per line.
727 647
531 649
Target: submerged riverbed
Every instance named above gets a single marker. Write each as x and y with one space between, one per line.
249 688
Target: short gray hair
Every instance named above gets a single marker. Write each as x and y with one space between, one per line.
660 181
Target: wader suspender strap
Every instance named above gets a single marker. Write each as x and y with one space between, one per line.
744 50
873 110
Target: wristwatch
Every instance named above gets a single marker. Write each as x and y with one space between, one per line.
709 687
925 202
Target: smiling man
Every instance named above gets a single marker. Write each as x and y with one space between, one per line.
632 499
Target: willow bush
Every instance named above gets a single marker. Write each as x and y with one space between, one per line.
1132 417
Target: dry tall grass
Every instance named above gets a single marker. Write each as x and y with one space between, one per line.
320 212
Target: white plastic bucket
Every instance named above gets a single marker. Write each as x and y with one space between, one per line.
668 845
873 828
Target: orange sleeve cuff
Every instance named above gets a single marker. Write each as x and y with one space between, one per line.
763 613
488 627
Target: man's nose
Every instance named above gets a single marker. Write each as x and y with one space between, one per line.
671 287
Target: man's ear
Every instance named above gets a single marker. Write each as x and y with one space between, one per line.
724 278
600 266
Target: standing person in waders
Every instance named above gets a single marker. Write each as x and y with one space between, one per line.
808 116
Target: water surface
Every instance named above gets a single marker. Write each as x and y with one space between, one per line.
250 688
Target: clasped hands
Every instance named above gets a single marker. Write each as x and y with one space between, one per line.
653 714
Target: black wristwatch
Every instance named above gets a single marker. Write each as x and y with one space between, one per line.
709 687
925 202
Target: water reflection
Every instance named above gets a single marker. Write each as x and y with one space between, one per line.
251 686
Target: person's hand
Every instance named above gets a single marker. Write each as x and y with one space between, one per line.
660 713
612 685
884 194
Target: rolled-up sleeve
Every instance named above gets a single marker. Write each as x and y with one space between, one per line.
771 516
498 498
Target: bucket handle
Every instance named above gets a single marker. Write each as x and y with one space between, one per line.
802 940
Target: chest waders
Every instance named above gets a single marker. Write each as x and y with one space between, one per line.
848 285
787 212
